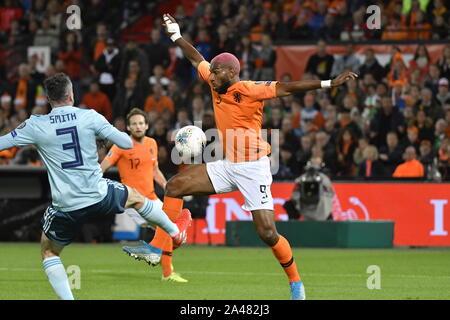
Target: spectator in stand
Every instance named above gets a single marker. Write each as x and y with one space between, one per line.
157 51
317 19
158 101
399 72
128 97
329 31
432 79
310 117
443 95
346 145
176 94
440 133
421 61
440 29
158 77
328 151
24 89
265 61
371 66
420 29
223 42
9 11
426 156
428 104
159 132
97 100
444 159
182 119
132 52
140 76
108 68
348 61
247 55
71 54
386 119
299 29
303 154
203 43
425 126
411 168
358 154
320 63
412 138
47 36
395 30
444 62
287 164
96 45
276 117
371 167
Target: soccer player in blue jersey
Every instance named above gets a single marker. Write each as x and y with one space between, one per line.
66 141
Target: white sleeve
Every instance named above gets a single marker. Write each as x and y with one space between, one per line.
105 130
23 135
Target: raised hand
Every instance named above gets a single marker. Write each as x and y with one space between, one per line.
171 26
342 78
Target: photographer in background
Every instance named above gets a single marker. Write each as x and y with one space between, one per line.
313 195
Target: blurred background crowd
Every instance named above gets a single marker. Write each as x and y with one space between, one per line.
394 121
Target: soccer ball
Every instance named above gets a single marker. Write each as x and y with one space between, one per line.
190 141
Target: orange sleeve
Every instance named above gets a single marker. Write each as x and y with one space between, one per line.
260 90
113 155
203 70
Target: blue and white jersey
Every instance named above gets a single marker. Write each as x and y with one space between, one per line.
65 140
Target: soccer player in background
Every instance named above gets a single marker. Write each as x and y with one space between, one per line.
138 167
238 108
66 141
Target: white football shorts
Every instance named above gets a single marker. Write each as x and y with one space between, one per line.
251 178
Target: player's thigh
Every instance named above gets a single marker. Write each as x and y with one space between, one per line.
49 248
253 179
193 180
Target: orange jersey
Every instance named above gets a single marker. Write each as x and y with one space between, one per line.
136 165
239 115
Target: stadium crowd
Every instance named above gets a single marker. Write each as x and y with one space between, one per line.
393 121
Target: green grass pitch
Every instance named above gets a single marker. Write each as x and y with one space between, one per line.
224 273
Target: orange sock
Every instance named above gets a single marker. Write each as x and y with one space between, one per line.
282 251
172 207
166 258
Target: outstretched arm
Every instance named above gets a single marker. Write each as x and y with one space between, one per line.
288 88
6 142
173 30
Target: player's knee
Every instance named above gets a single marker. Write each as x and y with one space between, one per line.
48 253
268 235
135 199
176 186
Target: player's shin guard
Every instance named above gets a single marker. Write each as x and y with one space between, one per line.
283 252
154 215
57 277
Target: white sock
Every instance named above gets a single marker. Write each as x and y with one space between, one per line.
157 216
57 276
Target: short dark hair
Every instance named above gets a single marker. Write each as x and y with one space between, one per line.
56 87
136 111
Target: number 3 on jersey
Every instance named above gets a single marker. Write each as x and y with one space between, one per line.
75 145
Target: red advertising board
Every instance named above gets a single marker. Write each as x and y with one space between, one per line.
421 211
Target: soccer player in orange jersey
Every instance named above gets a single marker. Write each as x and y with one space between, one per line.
238 108
138 167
